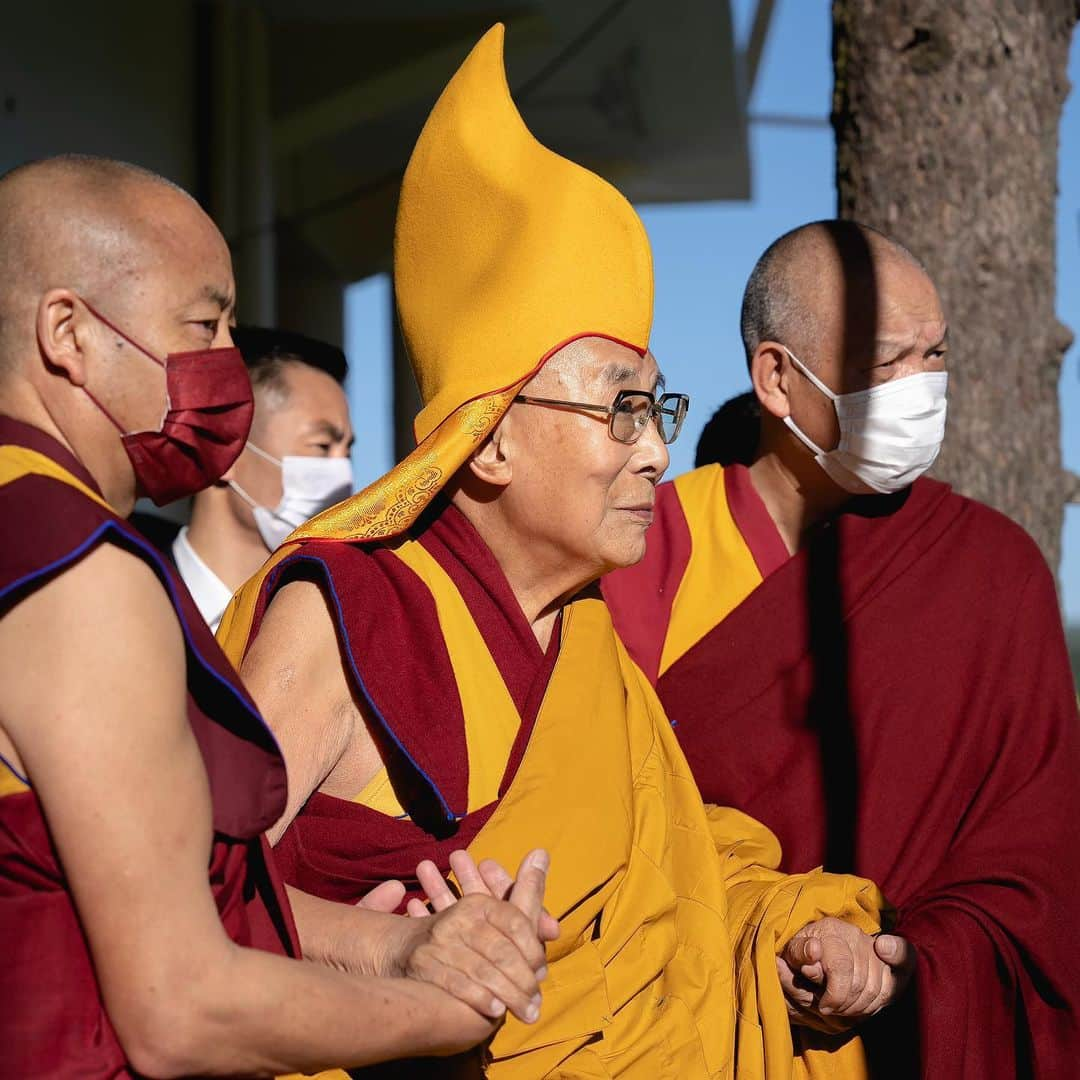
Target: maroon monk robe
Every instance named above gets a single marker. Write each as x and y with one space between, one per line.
896 701
399 664
53 1021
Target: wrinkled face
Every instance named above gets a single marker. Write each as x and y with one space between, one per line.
897 328
583 498
306 416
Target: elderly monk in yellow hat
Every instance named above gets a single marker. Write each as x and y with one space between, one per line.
440 675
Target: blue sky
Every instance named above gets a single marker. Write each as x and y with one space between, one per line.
703 254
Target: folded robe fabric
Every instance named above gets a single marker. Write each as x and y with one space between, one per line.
504 253
895 701
671 916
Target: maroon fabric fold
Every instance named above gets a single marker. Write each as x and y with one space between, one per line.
53 1022
896 701
751 517
640 597
398 663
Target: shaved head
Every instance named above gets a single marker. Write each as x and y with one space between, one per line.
811 273
85 223
105 270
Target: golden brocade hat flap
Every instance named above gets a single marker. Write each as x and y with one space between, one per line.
503 253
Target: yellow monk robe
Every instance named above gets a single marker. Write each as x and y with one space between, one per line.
711 545
671 915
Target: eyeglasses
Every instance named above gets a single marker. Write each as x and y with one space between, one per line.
630 412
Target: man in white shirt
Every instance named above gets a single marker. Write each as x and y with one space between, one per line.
295 464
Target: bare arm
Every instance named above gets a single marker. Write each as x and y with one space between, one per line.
481 951
295 673
93 670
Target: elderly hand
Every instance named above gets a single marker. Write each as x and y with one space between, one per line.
484 950
833 975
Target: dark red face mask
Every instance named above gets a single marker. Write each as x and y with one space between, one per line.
205 427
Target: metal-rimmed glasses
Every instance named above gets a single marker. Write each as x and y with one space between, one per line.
630 412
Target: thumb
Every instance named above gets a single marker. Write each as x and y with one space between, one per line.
802 951
528 892
895 951
384 897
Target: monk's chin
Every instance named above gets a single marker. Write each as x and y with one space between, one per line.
629 553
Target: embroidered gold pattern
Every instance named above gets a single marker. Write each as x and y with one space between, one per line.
392 503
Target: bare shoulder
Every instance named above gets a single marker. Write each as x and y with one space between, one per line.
297 619
108 612
94 678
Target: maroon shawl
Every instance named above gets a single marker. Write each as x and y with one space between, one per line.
399 666
896 701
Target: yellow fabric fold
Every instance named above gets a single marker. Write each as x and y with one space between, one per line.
17 461
704 598
671 913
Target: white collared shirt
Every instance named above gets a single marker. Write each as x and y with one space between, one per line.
210 593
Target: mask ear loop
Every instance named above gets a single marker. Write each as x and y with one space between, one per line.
131 341
243 494
116 330
263 454
830 394
789 423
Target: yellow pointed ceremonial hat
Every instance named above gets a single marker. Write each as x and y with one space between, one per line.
503 253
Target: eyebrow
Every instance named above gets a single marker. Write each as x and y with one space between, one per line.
217 296
324 427
943 340
618 373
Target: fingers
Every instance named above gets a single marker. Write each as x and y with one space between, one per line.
527 894
896 951
494 946
865 999
440 969
793 992
516 928
498 881
802 951
499 884
386 896
435 886
468 875
417 909
845 973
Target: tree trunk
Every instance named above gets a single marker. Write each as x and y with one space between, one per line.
946 118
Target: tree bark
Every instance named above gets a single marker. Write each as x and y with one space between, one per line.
946 118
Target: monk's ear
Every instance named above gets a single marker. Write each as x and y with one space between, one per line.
63 332
491 463
769 370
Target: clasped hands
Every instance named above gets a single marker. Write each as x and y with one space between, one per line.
833 975
486 948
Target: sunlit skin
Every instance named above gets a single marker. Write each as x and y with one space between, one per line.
860 335
99 651
170 288
307 417
515 489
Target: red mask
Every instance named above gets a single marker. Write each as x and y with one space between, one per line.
205 427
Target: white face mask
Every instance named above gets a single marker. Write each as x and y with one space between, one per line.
889 434
309 485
